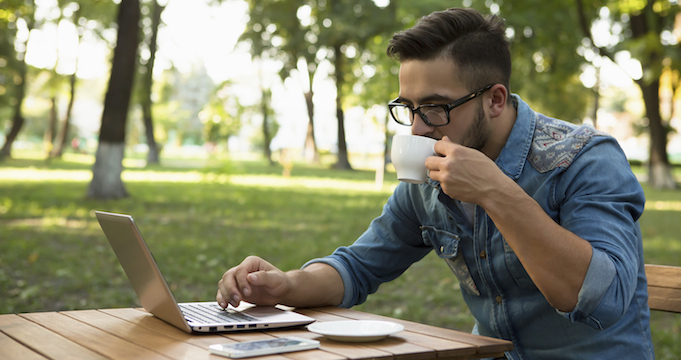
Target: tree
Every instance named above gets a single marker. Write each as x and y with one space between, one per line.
267 120
346 26
221 115
16 11
312 31
283 30
640 25
97 16
147 65
106 180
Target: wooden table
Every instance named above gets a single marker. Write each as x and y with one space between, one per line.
135 334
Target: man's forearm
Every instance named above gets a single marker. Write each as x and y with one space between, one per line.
556 259
316 285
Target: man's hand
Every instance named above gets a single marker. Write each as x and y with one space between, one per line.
254 280
464 174
261 283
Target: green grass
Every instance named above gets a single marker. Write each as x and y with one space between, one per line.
202 217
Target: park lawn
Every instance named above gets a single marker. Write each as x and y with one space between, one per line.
201 220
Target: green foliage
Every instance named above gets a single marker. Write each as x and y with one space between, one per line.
221 116
182 98
201 221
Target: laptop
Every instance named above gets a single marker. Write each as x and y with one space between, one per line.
155 295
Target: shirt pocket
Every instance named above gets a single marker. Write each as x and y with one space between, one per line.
446 246
516 269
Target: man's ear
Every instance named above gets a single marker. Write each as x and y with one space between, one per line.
498 99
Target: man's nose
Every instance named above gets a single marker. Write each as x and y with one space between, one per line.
419 127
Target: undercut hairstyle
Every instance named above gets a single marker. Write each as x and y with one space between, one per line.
476 44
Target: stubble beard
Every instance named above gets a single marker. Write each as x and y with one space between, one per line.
478 135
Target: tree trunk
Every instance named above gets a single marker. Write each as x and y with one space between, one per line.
17 123
597 97
659 170
153 155
343 162
106 180
18 118
66 124
311 151
106 173
51 130
267 138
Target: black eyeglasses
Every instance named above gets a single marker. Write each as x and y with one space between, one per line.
432 114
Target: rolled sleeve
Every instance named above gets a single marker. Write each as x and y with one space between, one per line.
599 278
603 202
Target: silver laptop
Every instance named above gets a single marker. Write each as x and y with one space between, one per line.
155 295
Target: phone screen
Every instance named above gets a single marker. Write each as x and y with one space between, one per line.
263 347
263 344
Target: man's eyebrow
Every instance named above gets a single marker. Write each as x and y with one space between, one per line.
428 99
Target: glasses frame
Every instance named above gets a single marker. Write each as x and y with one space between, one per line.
446 107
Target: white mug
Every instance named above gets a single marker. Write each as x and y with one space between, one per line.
409 153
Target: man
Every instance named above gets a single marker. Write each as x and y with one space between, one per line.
538 218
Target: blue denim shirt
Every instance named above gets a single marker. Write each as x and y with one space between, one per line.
582 179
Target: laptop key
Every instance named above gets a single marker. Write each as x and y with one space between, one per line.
208 313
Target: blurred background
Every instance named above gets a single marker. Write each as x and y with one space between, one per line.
230 128
310 78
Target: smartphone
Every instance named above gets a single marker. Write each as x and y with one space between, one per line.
263 347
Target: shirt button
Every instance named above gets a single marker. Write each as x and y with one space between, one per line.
442 249
483 254
498 299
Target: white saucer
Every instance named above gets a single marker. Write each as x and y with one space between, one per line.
355 330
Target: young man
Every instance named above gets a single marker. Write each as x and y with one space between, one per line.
537 218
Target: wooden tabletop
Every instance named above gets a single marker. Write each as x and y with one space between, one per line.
135 334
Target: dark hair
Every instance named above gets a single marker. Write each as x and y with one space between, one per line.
476 44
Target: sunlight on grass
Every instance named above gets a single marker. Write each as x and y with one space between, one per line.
305 182
663 206
46 222
33 175
273 181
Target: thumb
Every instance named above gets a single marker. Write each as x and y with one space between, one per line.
269 279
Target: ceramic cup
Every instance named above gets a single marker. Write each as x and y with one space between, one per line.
409 153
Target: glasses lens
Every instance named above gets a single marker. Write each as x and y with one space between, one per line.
402 114
436 115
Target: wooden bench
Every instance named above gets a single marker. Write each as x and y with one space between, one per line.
664 287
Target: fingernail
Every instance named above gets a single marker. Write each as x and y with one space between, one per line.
246 291
235 300
222 304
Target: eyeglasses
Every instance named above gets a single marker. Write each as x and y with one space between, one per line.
432 114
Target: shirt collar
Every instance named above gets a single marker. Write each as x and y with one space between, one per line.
514 153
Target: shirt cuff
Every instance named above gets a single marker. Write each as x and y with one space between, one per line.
599 276
344 274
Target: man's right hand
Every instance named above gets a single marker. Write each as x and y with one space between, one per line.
254 280
261 283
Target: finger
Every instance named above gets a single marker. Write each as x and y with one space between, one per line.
241 286
433 163
228 289
442 146
221 300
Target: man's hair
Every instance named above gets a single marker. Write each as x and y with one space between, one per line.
476 44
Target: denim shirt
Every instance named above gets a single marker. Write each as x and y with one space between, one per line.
582 180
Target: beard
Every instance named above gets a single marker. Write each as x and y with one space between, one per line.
479 133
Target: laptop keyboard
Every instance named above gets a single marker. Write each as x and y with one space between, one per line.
212 313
